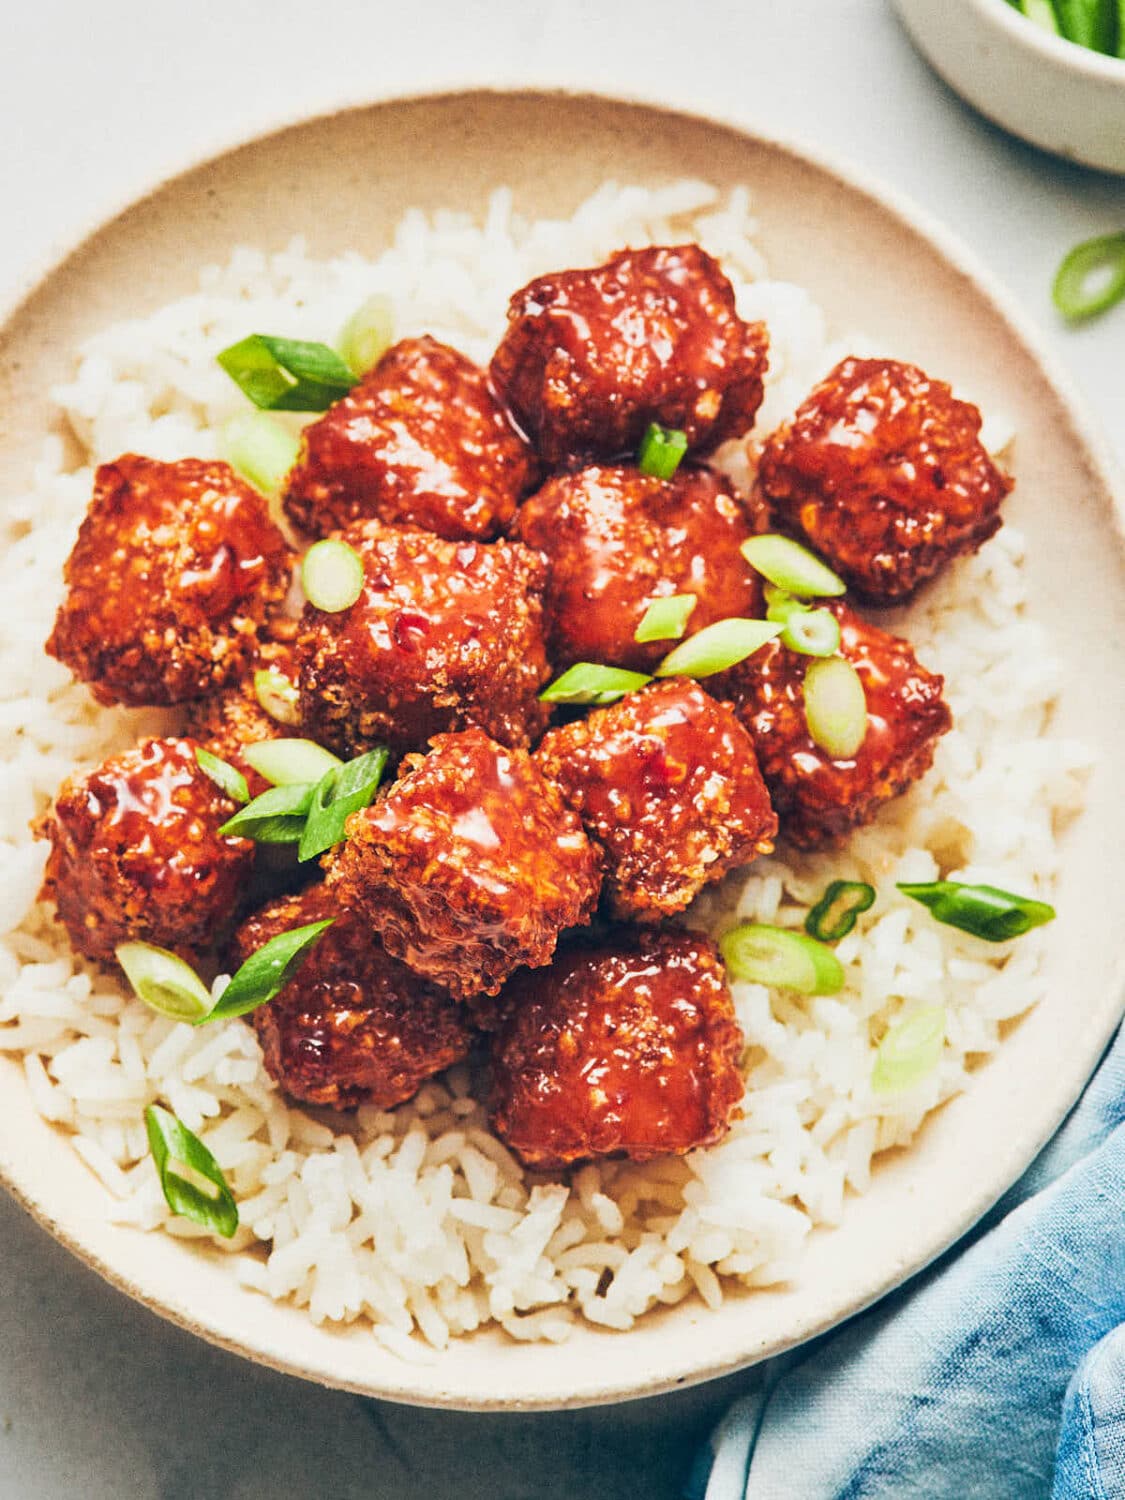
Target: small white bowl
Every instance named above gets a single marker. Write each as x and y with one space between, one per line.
1051 92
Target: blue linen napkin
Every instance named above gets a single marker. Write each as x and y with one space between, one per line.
999 1372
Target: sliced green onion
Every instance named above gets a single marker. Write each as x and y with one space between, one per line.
285 762
1042 12
341 791
267 971
277 695
661 450
226 777
780 958
1089 23
332 575
191 1178
367 335
666 619
717 647
1091 277
287 374
812 632
276 817
164 981
835 707
910 1051
780 606
587 682
791 567
983 910
834 915
260 449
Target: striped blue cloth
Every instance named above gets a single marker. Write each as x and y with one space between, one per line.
998 1373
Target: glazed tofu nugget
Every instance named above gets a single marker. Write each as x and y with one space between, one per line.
591 357
420 441
228 721
883 471
628 1047
819 799
136 854
667 784
174 571
616 539
470 866
443 635
353 1025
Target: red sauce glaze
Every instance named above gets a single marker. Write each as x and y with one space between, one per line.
174 571
444 635
819 799
667 783
227 722
420 441
469 866
627 1047
353 1026
591 357
882 470
136 854
616 539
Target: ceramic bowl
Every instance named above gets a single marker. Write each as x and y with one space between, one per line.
1057 95
872 263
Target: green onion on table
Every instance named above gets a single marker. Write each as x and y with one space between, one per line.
1091 277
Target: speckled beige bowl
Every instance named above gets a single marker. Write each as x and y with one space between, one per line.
343 181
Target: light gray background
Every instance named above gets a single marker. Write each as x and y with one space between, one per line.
98 1398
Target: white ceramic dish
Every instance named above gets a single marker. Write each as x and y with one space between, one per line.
1062 97
871 263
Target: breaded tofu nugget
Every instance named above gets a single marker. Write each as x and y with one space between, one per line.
470 865
136 854
353 1025
616 539
667 785
420 441
883 472
819 799
443 635
625 1047
175 569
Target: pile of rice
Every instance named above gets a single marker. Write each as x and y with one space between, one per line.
419 1221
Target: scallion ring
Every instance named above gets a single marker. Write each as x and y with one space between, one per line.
227 778
276 817
835 707
812 632
910 1051
717 647
287 374
342 791
791 567
259 448
983 910
367 335
586 682
190 1178
1091 277
267 971
666 619
834 915
780 606
661 451
164 982
290 762
277 695
775 956
332 575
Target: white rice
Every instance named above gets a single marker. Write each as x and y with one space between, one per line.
419 1221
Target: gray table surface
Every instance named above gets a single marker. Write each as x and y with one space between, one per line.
98 1398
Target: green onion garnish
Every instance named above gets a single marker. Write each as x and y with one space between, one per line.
343 790
287 374
983 910
910 1051
276 817
367 335
164 982
812 632
666 619
192 1180
717 647
277 695
661 450
835 707
834 915
791 567
260 449
285 762
1091 277
332 575
786 960
267 971
587 682
226 777
780 606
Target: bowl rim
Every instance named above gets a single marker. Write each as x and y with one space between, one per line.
902 208
1054 49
